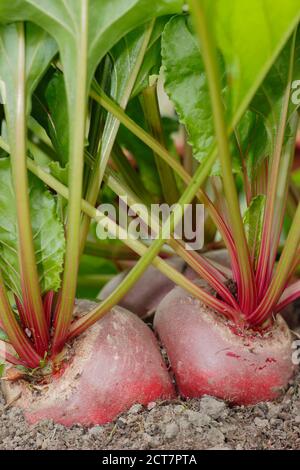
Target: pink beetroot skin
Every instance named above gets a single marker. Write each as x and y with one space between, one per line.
209 357
115 364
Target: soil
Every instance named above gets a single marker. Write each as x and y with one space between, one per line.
205 423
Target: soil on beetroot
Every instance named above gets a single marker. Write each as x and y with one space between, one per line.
204 423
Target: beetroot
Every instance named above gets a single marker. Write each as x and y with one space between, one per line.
210 356
146 294
114 364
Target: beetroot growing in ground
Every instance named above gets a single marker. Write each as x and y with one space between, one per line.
113 365
79 103
211 357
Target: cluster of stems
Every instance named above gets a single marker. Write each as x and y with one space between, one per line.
263 288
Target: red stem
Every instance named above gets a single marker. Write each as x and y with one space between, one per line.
6 356
48 303
290 294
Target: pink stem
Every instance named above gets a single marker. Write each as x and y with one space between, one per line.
6 356
290 294
48 303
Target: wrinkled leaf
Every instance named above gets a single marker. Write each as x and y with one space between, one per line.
59 172
49 241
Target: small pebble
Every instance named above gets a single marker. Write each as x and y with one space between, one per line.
135 409
261 423
151 405
171 430
212 406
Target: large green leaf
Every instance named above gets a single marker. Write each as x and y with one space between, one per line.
248 44
106 22
250 34
49 241
186 84
39 48
258 128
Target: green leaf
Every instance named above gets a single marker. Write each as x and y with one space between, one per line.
49 241
59 172
141 152
253 140
258 128
107 22
250 35
186 84
58 120
40 49
296 178
244 58
152 60
253 223
93 266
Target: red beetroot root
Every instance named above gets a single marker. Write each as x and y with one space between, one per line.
114 364
208 357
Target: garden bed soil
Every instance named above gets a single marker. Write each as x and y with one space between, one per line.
204 423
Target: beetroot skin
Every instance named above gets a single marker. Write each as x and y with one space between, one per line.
209 357
114 364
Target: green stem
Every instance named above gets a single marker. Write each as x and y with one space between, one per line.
203 30
105 249
31 293
282 273
151 253
139 248
277 186
107 146
153 119
135 245
77 134
197 262
98 95
94 280
129 174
